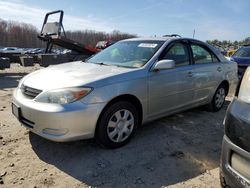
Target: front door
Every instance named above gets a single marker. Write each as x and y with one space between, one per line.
171 89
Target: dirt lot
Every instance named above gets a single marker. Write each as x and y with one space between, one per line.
182 150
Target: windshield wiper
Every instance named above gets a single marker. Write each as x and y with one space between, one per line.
101 63
98 63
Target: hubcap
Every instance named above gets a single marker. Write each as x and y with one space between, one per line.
120 125
220 97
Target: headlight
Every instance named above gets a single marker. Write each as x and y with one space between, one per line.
63 96
244 93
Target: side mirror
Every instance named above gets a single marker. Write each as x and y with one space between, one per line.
164 64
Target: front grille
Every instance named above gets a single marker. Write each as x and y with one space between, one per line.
29 91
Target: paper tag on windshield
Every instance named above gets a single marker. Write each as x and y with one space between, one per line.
147 45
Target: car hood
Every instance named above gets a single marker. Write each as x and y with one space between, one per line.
241 60
70 75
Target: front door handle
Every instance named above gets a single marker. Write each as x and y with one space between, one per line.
190 74
219 69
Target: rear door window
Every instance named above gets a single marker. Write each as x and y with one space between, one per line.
202 55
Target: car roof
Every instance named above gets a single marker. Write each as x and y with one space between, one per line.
163 39
149 39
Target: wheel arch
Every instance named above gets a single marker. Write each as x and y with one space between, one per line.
125 97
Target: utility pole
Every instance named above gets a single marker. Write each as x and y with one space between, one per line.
193 33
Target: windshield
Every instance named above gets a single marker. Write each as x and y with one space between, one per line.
242 52
131 54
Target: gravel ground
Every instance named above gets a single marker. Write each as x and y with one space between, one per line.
182 150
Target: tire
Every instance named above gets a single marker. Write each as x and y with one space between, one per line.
117 125
218 99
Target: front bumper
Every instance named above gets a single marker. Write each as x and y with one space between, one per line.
56 122
235 156
232 177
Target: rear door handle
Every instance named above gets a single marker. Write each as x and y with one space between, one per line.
219 69
190 74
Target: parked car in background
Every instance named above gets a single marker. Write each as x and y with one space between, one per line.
12 53
229 53
5 49
127 84
242 58
12 50
34 51
235 157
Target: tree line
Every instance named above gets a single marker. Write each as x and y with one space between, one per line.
90 37
16 34
23 35
226 45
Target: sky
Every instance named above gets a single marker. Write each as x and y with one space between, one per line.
211 19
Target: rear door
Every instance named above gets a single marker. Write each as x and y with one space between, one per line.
208 71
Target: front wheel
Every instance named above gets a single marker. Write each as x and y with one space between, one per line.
117 124
218 99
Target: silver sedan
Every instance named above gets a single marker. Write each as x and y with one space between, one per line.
131 82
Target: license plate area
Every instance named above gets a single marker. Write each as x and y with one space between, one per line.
16 110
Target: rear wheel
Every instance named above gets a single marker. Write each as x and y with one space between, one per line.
117 124
218 99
